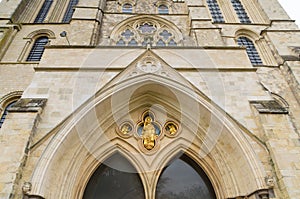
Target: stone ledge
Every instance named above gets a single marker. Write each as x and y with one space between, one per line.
28 105
269 106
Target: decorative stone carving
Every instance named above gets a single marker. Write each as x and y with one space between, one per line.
26 188
171 129
148 131
149 65
270 181
125 129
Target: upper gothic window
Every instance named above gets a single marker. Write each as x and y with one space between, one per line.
251 50
240 11
215 11
127 8
142 32
43 11
37 49
70 10
163 9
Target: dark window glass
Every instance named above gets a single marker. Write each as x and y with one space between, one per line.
215 11
43 12
116 178
37 49
69 11
184 179
127 8
240 11
5 113
163 9
251 50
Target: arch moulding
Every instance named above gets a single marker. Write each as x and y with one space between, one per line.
88 137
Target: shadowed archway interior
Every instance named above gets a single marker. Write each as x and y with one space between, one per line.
115 178
183 178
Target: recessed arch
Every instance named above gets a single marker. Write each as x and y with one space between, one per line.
41 32
89 134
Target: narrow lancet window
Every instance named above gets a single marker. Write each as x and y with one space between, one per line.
37 49
43 12
69 11
240 11
215 11
251 50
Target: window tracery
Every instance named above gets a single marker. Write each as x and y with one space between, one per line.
146 31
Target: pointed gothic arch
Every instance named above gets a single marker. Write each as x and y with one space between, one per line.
89 136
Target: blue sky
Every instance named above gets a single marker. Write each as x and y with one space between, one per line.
292 8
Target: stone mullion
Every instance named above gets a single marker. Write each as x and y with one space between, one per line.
31 10
253 12
265 53
58 11
25 49
228 11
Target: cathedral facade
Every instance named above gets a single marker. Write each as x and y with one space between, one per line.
149 99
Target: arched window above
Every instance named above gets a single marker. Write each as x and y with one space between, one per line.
251 50
37 49
144 31
183 178
43 11
115 178
5 112
127 8
240 11
215 11
163 9
70 10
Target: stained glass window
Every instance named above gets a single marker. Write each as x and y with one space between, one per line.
251 50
